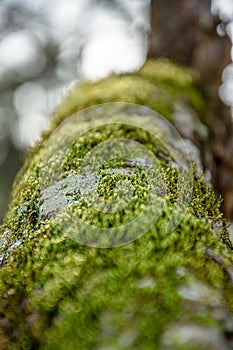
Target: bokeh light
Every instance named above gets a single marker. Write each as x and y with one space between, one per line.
48 46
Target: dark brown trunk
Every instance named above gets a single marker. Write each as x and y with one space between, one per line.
185 31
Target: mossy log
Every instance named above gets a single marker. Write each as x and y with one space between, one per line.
63 287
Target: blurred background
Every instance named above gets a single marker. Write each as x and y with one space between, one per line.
47 46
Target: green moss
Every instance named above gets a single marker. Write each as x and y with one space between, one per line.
159 84
59 294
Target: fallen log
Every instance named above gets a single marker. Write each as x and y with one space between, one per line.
113 238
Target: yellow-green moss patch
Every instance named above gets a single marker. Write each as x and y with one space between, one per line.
59 294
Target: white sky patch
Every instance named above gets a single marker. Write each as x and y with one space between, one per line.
226 92
67 17
223 8
113 46
30 100
20 53
226 89
229 30
28 129
227 73
30 97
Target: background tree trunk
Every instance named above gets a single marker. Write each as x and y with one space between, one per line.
185 31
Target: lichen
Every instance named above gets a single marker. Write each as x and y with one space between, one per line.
57 293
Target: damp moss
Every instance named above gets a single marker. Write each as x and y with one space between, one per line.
57 293
159 84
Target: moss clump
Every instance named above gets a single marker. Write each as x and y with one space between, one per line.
159 85
57 293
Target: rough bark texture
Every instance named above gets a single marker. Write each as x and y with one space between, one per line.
162 291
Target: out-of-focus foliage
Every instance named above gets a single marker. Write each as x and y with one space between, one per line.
45 46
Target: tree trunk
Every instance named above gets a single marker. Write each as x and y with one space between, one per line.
185 31
118 176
